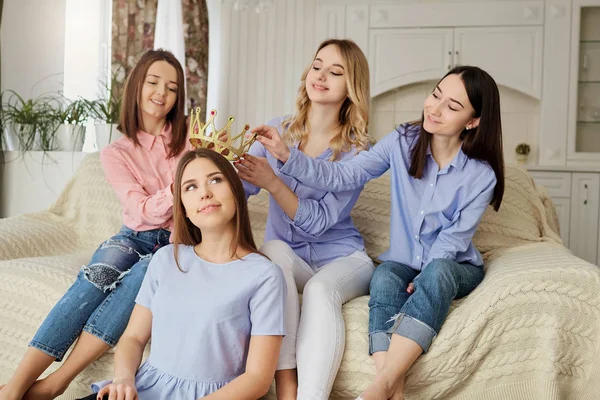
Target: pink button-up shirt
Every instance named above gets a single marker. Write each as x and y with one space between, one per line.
142 177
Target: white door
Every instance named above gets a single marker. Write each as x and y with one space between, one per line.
585 190
399 57
512 55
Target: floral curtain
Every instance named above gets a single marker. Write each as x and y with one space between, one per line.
195 32
132 35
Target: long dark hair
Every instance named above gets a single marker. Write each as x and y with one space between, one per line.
130 121
185 232
481 143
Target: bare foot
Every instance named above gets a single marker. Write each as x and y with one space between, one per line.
380 389
44 389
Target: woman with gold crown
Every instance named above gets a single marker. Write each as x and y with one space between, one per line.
309 232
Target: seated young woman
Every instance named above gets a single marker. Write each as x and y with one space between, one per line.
213 305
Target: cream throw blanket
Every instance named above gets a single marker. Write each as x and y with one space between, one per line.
531 330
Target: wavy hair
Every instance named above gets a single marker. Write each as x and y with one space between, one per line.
354 114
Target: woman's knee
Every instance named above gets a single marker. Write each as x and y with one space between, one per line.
105 275
320 290
279 253
387 276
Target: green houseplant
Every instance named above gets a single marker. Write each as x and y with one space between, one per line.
71 131
106 111
522 151
31 124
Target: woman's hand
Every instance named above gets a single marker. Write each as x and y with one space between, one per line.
120 389
257 171
269 137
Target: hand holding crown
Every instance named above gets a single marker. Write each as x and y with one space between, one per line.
272 141
207 136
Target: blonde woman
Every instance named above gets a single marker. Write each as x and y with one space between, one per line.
309 232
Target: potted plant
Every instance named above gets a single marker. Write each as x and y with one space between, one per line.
70 133
106 112
31 123
522 151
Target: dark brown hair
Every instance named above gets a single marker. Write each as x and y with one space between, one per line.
185 232
130 121
481 143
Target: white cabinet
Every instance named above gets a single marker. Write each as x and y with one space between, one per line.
512 55
416 41
576 196
399 57
585 190
558 185
584 90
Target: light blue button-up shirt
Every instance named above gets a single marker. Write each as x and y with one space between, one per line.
322 229
433 217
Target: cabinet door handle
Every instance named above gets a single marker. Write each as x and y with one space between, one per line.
585 193
585 61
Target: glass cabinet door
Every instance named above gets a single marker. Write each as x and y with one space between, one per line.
585 81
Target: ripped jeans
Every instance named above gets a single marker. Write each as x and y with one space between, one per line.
103 295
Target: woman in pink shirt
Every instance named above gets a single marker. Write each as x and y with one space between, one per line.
140 168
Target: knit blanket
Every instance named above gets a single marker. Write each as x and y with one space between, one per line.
531 330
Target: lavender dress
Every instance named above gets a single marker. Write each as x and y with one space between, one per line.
202 321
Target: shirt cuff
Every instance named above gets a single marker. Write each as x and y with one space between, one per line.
301 214
292 164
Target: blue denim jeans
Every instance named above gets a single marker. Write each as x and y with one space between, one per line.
103 295
420 315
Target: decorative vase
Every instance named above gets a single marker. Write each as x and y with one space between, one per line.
106 134
69 138
522 158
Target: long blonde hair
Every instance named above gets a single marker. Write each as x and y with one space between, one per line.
354 114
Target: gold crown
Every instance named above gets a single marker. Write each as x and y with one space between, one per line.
209 137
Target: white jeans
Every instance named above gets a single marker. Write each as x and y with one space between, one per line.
317 336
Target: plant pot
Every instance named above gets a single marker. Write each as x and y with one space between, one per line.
69 138
522 158
11 139
106 134
21 137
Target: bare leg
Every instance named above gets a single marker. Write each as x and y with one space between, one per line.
379 359
33 364
402 354
286 384
87 349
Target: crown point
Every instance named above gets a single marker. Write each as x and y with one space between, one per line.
213 112
246 127
231 119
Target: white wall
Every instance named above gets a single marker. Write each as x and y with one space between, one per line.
263 58
33 35
33 180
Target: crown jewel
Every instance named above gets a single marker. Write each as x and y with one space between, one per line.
220 140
